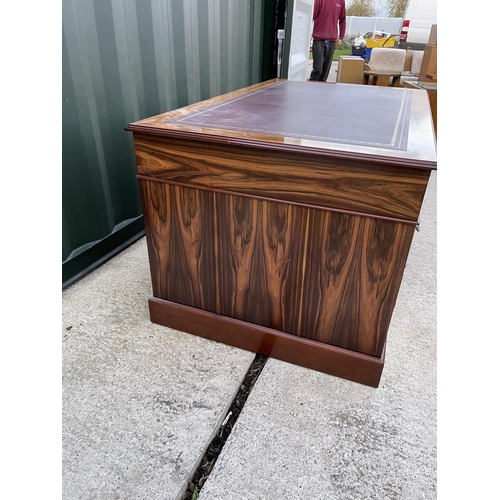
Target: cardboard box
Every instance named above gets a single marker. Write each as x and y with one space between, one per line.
433 37
408 59
350 69
428 69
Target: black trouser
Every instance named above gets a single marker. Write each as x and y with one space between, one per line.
322 59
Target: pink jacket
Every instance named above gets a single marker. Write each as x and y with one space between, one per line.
329 20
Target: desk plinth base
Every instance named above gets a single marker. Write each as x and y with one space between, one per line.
318 356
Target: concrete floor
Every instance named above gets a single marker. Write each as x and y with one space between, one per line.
141 402
332 76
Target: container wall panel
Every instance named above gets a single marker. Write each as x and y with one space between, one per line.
123 60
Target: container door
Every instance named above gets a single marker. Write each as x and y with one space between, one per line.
300 40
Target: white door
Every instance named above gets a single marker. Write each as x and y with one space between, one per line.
300 40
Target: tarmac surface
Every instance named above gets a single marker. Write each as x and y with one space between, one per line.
142 402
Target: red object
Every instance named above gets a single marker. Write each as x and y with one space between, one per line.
404 30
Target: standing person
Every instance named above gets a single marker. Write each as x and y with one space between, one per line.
328 32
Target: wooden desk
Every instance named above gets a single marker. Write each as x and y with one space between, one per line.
279 217
382 78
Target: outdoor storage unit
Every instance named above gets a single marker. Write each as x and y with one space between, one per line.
350 69
279 217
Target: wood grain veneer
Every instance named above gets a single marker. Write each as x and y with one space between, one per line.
337 183
287 247
322 275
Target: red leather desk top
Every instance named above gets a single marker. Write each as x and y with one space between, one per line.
361 119
346 114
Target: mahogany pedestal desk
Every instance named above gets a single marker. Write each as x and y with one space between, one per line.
279 217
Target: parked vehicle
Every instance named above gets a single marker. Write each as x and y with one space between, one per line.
416 24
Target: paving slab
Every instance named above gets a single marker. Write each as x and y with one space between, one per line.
140 401
305 435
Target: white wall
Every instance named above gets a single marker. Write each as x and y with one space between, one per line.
361 25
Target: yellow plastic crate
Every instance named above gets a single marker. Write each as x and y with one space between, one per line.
381 42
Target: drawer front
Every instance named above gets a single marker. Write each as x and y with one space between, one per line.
355 186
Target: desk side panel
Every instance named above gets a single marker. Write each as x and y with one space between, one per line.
317 274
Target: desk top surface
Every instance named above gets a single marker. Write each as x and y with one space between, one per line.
384 123
422 84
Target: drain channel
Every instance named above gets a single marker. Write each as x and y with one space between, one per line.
215 447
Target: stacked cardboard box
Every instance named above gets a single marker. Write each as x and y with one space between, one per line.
428 70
